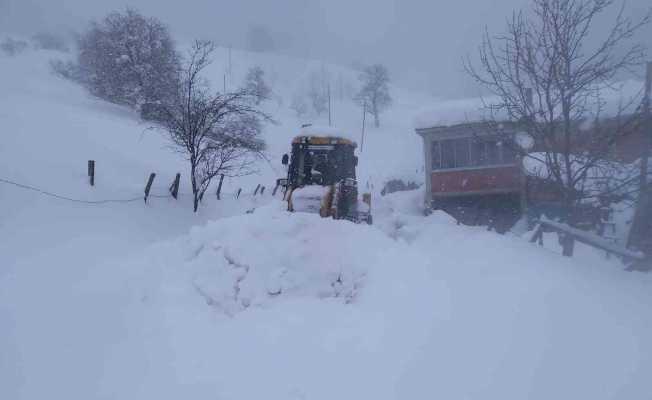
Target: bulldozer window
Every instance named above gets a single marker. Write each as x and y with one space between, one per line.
323 166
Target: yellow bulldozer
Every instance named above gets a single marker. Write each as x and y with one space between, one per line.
321 178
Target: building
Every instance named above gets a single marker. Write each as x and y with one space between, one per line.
473 170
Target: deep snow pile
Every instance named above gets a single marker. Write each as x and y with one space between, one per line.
293 306
249 261
261 305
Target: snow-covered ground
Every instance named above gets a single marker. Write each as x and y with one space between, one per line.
134 300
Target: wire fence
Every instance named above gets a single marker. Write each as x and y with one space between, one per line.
143 197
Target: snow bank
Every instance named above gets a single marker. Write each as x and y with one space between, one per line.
251 261
291 301
523 321
420 308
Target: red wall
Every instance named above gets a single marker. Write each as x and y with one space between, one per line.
494 179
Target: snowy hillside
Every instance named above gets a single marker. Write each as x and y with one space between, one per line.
149 301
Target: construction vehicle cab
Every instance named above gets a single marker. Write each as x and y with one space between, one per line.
322 178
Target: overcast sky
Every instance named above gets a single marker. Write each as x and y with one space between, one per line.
422 41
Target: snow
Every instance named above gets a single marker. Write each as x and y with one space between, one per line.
309 198
134 300
535 164
619 98
588 237
328 131
453 112
524 140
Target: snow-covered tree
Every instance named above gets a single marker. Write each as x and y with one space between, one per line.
374 94
256 85
260 39
129 59
219 133
318 93
299 105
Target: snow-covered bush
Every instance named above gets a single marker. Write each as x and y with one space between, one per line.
398 185
67 70
49 41
12 47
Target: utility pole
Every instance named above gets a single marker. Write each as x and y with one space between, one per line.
641 226
364 117
230 65
329 104
647 134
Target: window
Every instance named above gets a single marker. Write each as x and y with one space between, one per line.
478 153
471 152
436 155
462 153
493 154
509 153
447 154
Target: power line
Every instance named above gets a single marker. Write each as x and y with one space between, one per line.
60 197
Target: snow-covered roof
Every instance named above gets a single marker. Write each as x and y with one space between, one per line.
330 131
452 112
620 98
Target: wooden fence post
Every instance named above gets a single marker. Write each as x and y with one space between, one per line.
219 187
538 235
257 189
174 188
91 172
149 185
237 196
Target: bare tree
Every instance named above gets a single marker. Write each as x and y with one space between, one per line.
374 94
256 85
218 133
547 77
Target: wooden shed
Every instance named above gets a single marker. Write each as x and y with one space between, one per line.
472 173
476 174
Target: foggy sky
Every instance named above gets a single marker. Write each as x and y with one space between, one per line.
422 41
